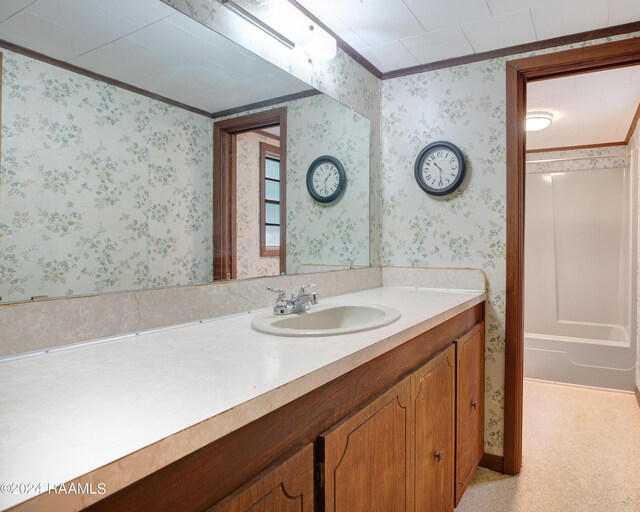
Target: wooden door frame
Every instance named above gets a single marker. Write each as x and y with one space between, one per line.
224 187
519 72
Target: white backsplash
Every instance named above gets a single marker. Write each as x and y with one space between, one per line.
40 325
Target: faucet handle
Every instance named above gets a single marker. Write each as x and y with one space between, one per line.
304 288
281 293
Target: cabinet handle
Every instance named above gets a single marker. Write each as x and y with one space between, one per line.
474 404
439 456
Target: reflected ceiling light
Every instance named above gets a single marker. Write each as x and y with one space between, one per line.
538 121
243 13
310 39
280 17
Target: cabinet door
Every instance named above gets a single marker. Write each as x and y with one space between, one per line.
286 487
366 457
470 407
433 398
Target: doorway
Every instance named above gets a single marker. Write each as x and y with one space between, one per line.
580 229
266 133
519 73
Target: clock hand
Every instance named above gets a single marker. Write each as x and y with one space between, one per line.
325 183
440 170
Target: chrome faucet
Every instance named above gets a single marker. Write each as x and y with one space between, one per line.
298 303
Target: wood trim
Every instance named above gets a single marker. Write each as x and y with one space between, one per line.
638 395
519 72
250 122
266 103
492 462
208 475
274 151
342 44
97 76
514 330
224 186
634 124
513 50
223 227
283 192
583 146
579 60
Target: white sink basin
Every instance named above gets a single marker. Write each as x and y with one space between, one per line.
327 320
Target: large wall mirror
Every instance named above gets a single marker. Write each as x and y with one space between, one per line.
107 155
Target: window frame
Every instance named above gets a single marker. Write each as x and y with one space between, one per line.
272 152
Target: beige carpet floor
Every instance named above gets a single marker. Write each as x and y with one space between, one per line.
581 453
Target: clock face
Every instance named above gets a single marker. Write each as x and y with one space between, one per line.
439 168
326 179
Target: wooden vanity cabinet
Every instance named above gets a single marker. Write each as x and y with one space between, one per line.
469 407
365 459
433 400
396 454
286 487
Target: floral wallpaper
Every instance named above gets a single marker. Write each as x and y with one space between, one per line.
334 234
465 105
248 260
101 189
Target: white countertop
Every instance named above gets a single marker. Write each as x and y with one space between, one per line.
116 411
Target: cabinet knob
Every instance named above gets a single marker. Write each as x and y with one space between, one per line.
474 404
439 456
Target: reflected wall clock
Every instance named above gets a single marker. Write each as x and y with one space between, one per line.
326 179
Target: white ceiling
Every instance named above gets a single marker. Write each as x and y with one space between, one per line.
590 108
395 34
148 44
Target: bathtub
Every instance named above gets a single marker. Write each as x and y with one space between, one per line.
596 356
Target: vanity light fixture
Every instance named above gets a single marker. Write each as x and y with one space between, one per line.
243 13
538 120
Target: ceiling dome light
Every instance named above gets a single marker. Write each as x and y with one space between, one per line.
538 121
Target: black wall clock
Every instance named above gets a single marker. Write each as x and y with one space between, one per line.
326 179
440 168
